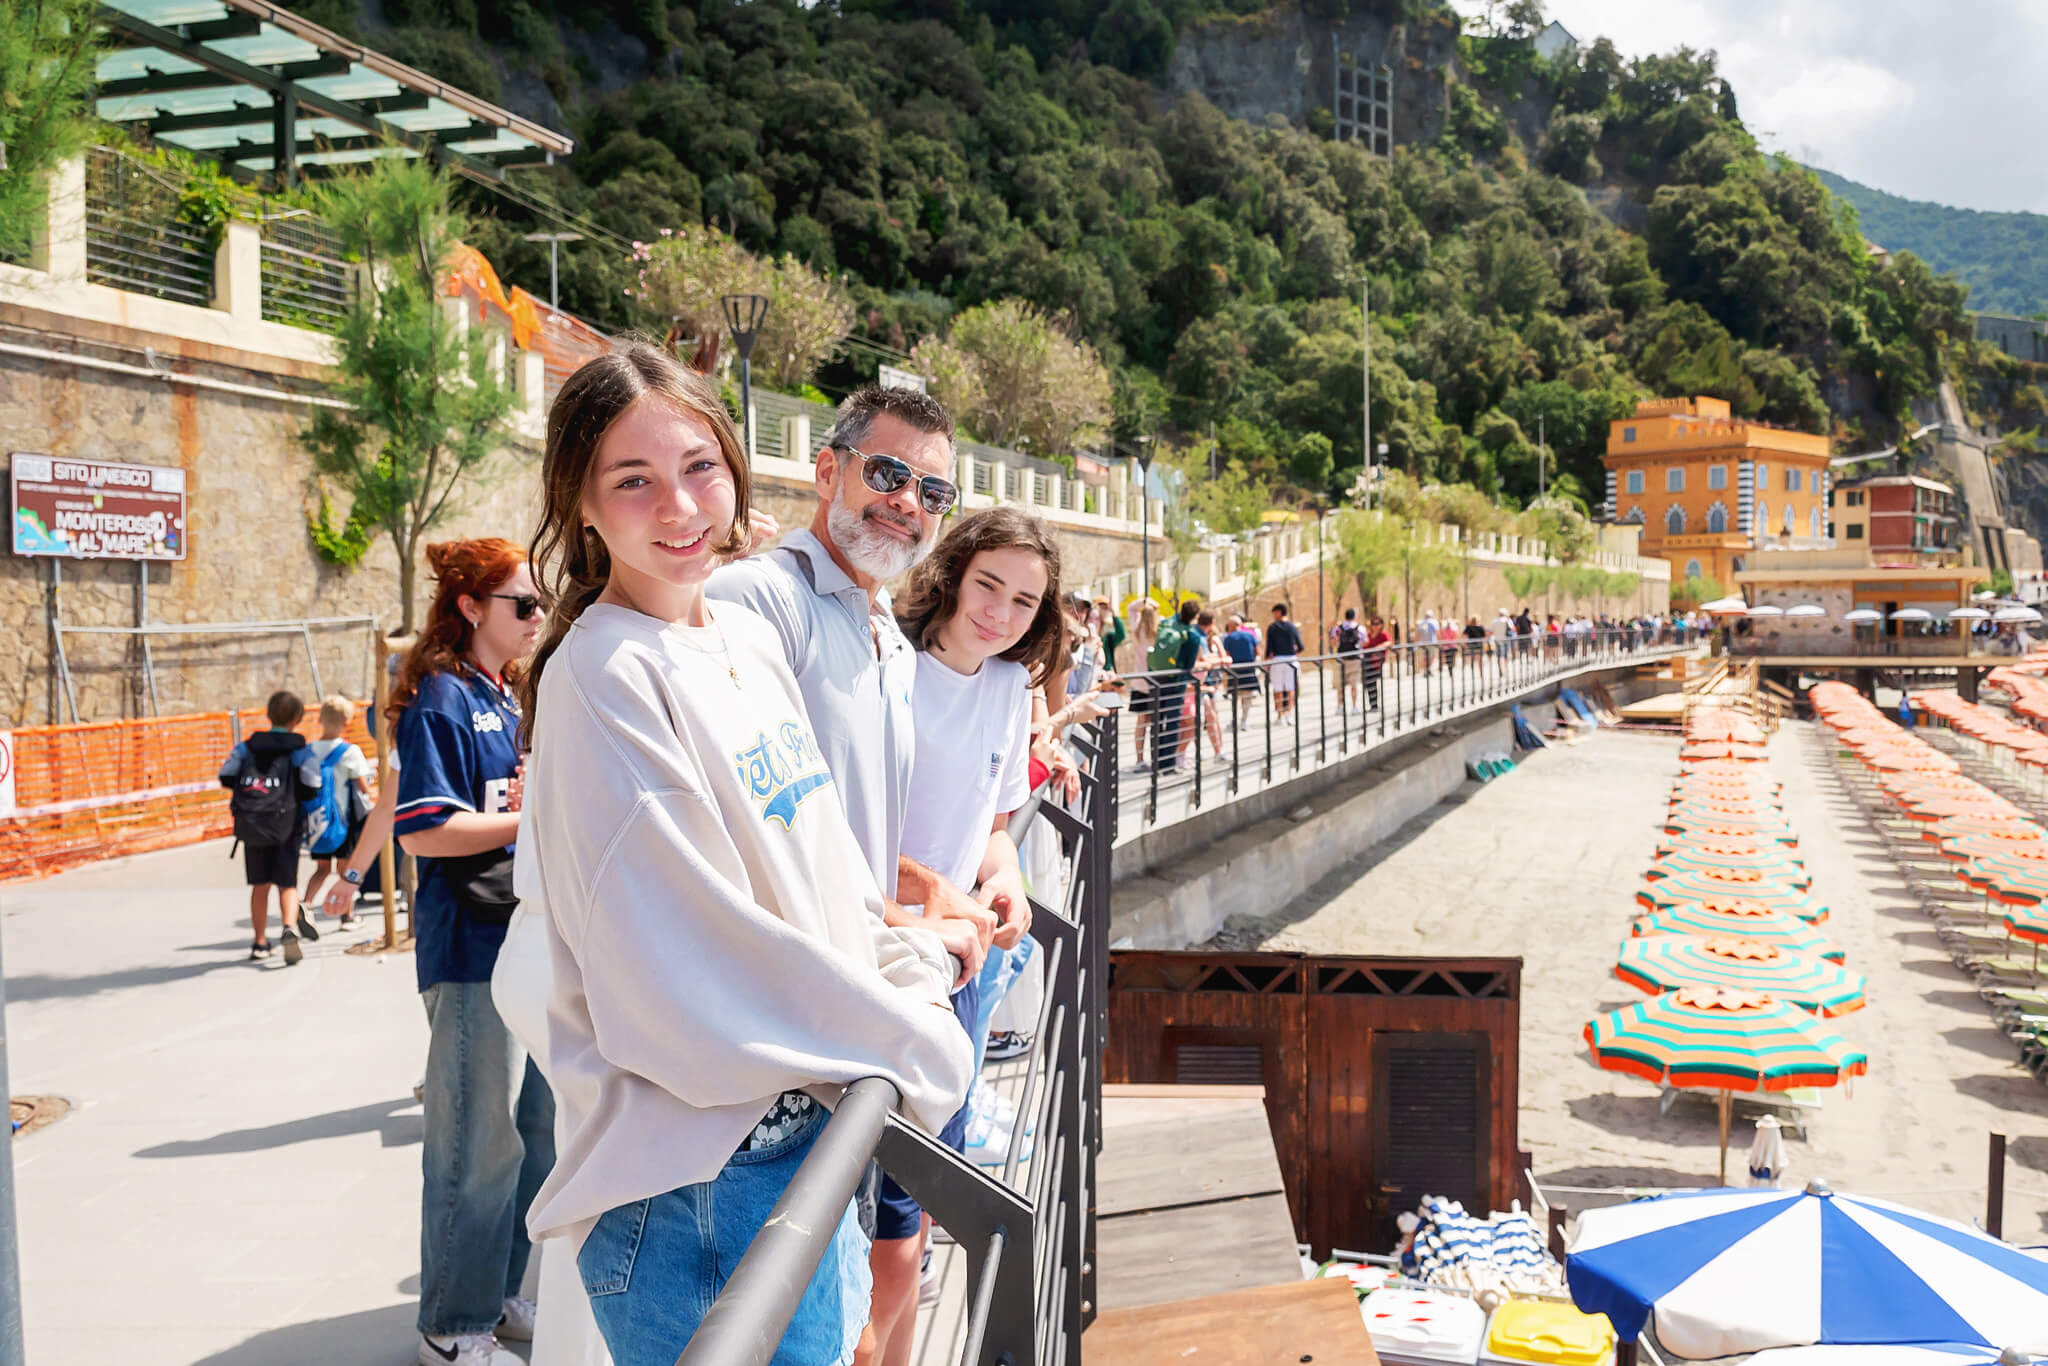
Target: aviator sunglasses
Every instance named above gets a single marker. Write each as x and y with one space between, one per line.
524 605
887 474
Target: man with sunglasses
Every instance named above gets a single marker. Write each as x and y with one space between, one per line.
884 484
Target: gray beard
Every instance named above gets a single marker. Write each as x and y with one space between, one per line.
873 552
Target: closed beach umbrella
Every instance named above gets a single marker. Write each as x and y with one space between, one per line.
1671 962
1739 920
1726 1041
1767 1152
1728 885
1731 1271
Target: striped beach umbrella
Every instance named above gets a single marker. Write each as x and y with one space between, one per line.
1739 920
1740 818
1721 749
2013 884
1717 1040
1724 1272
1902 759
1772 861
1671 962
2015 841
2020 826
1730 884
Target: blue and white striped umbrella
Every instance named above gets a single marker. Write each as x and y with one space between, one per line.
1920 1354
1728 1271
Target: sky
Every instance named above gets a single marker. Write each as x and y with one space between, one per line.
1929 101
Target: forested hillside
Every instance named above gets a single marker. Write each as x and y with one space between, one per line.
2002 257
939 154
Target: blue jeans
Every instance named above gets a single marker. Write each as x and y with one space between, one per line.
999 972
490 1143
653 1267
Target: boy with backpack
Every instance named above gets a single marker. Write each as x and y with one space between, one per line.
336 819
271 777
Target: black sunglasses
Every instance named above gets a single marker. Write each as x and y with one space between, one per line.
887 474
524 605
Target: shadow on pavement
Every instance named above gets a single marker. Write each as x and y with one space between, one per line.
40 986
374 1337
386 1117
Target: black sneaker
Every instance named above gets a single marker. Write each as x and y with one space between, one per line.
306 930
259 951
348 918
292 952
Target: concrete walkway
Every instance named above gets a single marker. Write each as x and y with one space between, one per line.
239 1181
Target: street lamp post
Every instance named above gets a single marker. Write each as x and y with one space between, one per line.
1145 510
554 241
744 314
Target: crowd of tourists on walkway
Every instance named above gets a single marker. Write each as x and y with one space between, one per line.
704 835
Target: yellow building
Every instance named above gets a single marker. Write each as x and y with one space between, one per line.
1710 490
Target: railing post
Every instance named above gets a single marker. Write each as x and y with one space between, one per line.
59 247
238 273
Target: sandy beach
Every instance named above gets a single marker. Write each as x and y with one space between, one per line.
1544 862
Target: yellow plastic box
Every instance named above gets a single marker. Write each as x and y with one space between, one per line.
1546 1331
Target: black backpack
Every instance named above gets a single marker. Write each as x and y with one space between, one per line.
1349 637
265 802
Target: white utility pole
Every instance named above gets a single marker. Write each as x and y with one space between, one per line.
1365 371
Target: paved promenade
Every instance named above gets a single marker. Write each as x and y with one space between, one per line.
239 1182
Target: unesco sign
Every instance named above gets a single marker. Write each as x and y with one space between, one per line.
97 509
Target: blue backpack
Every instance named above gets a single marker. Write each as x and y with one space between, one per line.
327 814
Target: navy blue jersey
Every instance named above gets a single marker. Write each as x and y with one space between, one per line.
458 749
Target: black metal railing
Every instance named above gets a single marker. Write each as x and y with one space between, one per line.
136 237
1341 703
305 281
1029 1232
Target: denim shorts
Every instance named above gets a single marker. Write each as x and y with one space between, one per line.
896 1214
653 1267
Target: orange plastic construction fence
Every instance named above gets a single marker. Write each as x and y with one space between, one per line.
101 789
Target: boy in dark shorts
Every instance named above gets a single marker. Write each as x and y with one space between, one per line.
271 776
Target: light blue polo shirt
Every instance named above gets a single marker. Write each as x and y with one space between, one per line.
856 681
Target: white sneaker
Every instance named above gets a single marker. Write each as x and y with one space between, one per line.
928 1281
517 1325
991 1119
471 1349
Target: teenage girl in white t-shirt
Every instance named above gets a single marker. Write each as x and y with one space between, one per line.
983 611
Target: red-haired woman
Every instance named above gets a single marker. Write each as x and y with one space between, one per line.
489 1115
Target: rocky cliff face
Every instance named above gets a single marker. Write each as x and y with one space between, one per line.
1285 62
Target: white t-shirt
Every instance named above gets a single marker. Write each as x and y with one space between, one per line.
351 765
973 761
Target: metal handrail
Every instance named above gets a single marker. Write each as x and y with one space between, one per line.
1030 1247
1397 689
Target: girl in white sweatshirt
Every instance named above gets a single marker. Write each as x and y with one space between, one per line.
720 967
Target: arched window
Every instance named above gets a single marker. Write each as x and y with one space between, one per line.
1692 569
1763 520
1813 523
1717 518
1791 519
1674 520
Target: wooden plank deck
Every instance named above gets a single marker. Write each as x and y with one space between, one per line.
1267 1325
1189 1204
1189 1200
